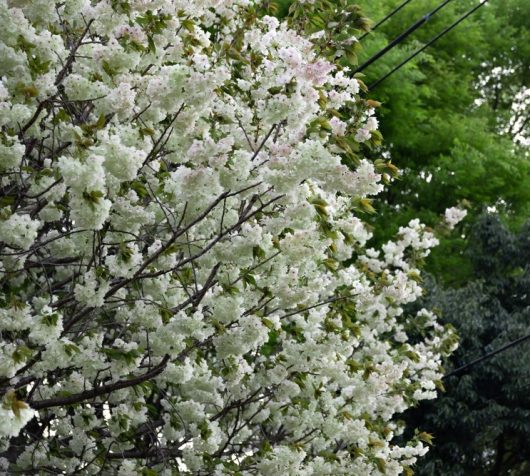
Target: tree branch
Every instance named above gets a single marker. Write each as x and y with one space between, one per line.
102 390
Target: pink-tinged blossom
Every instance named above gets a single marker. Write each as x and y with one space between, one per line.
317 72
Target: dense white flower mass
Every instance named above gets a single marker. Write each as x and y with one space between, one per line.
185 283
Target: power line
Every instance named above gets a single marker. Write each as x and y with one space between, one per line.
390 15
487 356
436 38
411 29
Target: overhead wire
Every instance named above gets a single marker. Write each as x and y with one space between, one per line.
390 15
411 29
487 356
429 43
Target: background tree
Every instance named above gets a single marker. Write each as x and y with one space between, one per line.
482 422
455 118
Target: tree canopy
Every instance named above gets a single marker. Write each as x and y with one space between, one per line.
187 284
481 423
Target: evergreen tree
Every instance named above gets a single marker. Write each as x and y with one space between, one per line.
481 424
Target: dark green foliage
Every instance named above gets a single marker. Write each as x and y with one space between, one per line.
481 424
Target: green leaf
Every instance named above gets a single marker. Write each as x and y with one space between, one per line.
51 319
21 354
188 25
271 346
381 465
426 437
93 197
249 279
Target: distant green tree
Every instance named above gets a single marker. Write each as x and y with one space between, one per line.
455 119
481 424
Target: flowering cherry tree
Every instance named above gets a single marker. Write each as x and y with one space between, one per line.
186 285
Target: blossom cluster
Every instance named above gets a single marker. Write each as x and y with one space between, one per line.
453 216
186 285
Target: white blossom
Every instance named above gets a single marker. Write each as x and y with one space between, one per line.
186 270
19 230
453 216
